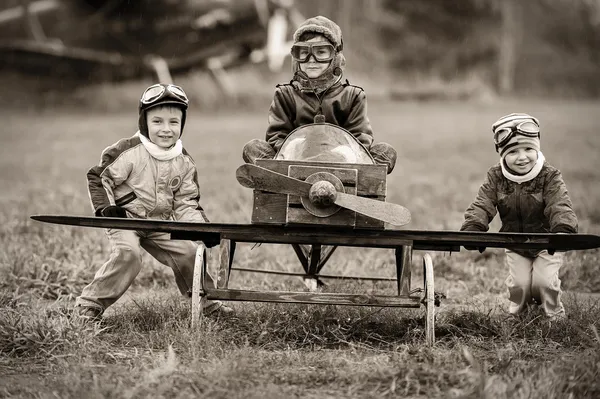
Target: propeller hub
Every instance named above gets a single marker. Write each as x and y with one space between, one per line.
322 194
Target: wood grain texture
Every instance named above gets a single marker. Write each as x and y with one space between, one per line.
371 180
325 235
313 298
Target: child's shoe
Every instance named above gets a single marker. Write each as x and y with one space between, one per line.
216 307
89 314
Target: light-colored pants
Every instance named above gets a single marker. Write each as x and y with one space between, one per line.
125 262
535 279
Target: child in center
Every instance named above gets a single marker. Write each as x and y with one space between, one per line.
317 86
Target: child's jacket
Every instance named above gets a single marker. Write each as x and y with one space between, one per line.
541 205
343 104
128 176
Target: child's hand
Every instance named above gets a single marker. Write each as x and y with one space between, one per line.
114 211
210 242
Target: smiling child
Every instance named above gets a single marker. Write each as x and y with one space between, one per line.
531 197
151 176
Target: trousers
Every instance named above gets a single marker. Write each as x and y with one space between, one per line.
118 273
535 281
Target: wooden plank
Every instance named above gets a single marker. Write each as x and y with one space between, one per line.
329 276
313 298
324 258
314 257
334 235
346 175
224 262
403 269
343 217
269 208
294 199
355 219
296 213
365 222
441 247
360 221
198 298
371 179
298 249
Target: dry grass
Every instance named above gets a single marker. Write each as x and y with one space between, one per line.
145 347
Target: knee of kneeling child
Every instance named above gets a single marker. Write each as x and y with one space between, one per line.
516 281
127 254
384 154
257 149
550 283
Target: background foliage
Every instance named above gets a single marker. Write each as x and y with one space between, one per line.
556 42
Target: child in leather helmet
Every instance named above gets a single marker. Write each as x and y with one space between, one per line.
318 64
531 197
151 176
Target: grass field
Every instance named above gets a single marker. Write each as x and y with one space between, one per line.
145 347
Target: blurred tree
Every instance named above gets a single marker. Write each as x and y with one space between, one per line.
437 36
535 46
359 22
510 36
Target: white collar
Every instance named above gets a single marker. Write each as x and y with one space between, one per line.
527 176
158 152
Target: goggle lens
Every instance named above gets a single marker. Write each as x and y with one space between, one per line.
152 93
527 128
178 91
322 52
502 135
157 91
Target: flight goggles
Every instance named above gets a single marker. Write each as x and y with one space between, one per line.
159 91
527 128
321 51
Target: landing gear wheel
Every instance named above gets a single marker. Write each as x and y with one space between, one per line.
429 300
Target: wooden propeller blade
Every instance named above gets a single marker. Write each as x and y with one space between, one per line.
385 211
253 176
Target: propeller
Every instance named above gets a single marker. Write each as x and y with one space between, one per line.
256 177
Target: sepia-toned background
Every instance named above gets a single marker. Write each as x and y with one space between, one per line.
437 74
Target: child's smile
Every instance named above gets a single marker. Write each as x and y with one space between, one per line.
521 160
164 125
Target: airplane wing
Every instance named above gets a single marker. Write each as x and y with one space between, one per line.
32 55
298 234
